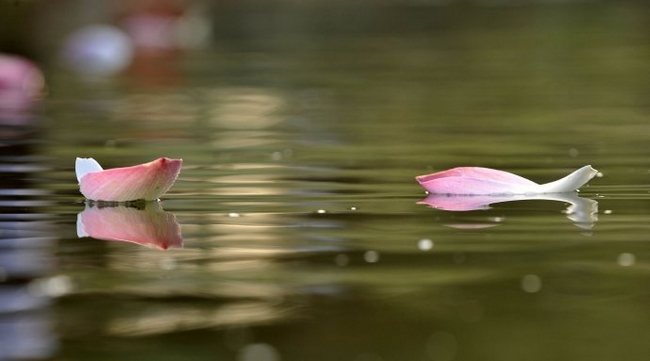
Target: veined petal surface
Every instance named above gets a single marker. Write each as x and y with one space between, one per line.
145 181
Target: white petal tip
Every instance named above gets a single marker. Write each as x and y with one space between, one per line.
84 166
571 182
81 233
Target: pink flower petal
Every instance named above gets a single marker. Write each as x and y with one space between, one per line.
485 181
475 181
479 173
145 181
148 227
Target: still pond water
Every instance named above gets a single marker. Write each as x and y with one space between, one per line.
302 233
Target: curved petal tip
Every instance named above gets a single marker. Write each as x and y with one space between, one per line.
84 166
571 182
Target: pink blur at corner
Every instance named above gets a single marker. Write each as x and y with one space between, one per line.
21 84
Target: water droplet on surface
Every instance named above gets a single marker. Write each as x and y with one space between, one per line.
287 153
341 260
371 256
531 283
425 244
626 259
258 352
276 156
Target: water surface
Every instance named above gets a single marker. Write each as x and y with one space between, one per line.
302 233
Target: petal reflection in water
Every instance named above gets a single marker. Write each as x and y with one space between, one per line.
144 223
582 211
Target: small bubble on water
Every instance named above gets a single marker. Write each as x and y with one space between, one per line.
353 208
599 174
626 259
258 352
607 211
276 156
425 244
531 283
573 152
371 256
234 215
497 219
341 260
321 211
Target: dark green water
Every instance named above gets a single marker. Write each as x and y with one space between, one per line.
303 239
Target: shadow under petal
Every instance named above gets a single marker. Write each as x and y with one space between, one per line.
144 223
582 211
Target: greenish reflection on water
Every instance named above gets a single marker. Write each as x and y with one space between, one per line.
301 230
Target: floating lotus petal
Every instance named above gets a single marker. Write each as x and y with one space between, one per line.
147 225
145 181
582 211
485 181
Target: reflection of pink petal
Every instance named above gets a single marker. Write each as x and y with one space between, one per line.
145 181
582 211
462 203
485 181
148 227
471 225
